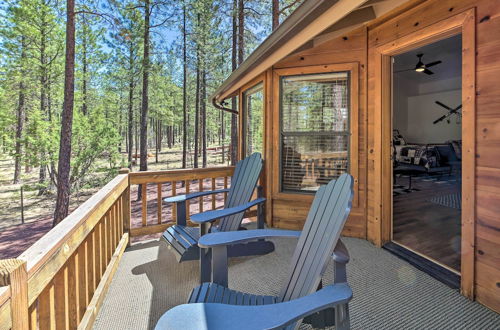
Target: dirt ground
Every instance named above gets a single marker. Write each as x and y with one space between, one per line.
16 237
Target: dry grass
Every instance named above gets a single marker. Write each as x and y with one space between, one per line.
15 237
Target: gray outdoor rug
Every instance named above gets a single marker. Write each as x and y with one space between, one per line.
451 200
388 293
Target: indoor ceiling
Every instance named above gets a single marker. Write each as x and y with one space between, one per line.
449 51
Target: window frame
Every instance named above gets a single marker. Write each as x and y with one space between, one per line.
261 79
244 117
353 157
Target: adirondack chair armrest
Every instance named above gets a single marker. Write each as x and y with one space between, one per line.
340 253
185 197
242 236
272 316
210 216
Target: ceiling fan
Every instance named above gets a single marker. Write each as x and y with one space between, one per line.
423 67
451 112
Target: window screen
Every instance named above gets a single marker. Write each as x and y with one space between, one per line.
314 129
253 109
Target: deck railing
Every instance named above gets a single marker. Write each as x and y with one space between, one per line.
60 282
150 215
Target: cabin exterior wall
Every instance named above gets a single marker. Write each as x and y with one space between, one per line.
290 210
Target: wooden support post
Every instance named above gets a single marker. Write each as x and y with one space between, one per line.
126 204
13 272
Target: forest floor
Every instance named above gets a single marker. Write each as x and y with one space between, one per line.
16 237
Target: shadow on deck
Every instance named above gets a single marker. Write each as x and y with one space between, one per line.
388 293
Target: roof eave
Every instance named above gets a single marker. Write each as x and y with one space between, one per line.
289 36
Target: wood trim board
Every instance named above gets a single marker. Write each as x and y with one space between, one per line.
379 229
353 69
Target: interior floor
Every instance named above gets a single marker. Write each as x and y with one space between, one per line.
427 218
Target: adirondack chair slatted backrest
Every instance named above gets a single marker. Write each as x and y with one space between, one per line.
245 177
326 218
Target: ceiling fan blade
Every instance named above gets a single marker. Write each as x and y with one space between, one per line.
439 119
433 63
429 72
443 105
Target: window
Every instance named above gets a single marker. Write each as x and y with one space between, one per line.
253 111
315 130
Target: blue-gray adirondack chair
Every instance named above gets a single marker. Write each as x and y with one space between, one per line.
215 306
183 240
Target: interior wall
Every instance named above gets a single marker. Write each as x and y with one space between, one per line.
414 108
421 113
403 89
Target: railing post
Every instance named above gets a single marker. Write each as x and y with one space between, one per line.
13 272
126 205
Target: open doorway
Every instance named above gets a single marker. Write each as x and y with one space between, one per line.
426 151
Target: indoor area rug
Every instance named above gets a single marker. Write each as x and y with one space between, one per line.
449 200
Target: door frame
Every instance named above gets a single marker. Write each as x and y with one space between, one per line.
380 62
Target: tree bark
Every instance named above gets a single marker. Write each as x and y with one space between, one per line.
275 14
131 105
157 139
43 102
64 165
145 89
184 88
21 111
234 105
84 65
203 107
197 111
241 31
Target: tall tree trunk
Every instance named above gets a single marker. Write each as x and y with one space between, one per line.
64 165
157 139
241 31
131 105
203 108
84 65
21 111
43 103
145 89
234 105
276 14
197 113
184 88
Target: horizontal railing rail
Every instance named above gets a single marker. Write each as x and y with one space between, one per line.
60 281
150 215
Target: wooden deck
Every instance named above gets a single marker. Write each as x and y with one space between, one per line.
61 281
388 292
